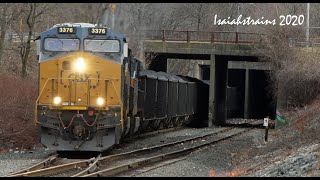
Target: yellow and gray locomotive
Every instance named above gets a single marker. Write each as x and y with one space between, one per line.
92 93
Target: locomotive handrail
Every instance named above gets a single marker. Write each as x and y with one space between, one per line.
36 108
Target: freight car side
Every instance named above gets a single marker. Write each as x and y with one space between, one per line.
164 100
200 101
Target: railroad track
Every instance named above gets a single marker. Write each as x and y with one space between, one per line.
41 165
124 162
48 167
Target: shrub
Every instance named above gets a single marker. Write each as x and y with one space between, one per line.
17 97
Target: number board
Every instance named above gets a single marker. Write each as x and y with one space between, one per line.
66 30
97 31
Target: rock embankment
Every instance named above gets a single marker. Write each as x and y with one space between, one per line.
304 162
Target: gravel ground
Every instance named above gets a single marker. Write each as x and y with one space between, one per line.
17 160
162 138
215 160
239 155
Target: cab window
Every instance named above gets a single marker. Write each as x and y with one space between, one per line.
55 44
95 45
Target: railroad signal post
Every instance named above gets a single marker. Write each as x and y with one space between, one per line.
266 124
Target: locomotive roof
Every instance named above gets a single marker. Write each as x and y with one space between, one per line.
75 25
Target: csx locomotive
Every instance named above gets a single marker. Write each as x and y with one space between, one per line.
93 92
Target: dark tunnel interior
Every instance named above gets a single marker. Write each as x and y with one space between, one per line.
235 93
205 72
260 100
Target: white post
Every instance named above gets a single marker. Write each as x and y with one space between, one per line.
266 125
307 30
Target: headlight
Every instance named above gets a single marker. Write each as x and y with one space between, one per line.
100 101
57 100
80 65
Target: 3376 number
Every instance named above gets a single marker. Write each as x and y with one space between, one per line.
98 31
65 30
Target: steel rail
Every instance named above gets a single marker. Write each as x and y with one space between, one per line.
91 168
40 165
55 169
128 154
157 158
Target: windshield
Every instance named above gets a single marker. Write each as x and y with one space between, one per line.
55 44
101 45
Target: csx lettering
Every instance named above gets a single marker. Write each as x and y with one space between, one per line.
80 77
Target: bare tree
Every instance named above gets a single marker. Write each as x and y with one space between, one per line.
174 19
138 17
32 14
295 77
198 14
6 16
85 12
